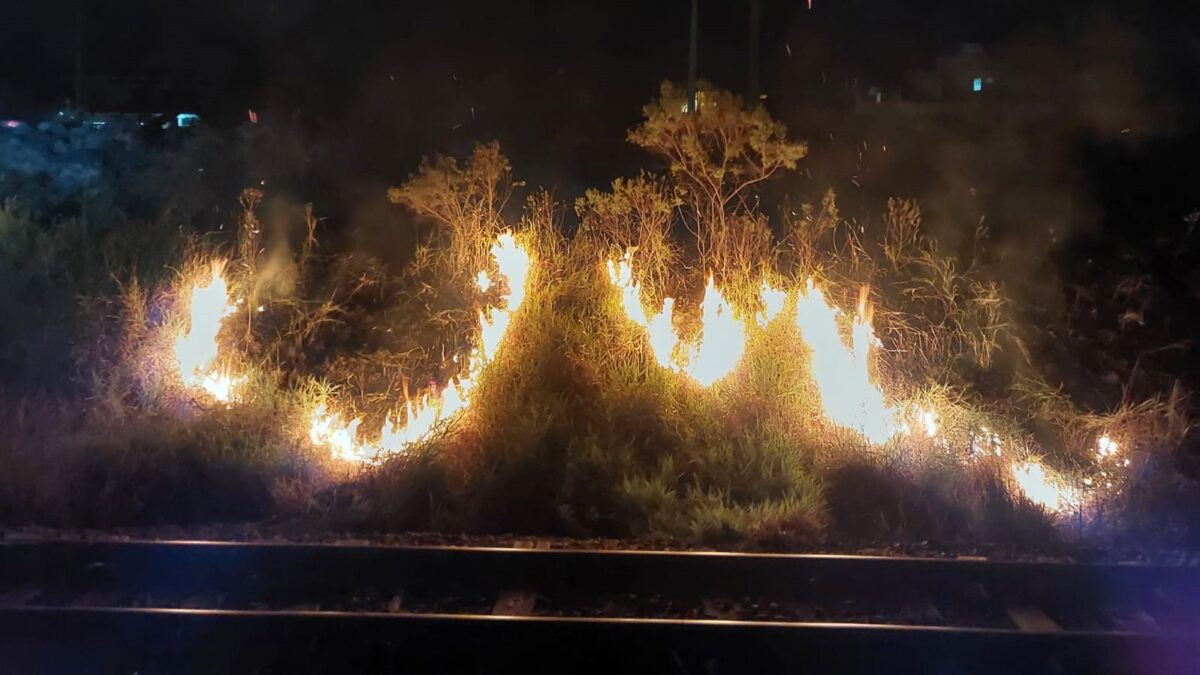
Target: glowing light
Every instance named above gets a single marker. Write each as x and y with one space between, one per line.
514 263
196 350
848 397
662 337
330 430
184 120
722 339
929 420
1043 489
420 418
985 442
1106 447
773 300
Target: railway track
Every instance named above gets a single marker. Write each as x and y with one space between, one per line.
177 607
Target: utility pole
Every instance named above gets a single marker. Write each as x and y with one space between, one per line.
79 59
752 63
695 38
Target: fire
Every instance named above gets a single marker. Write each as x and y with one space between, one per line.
196 350
929 421
840 368
1043 489
841 373
663 339
514 263
722 339
773 300
420 418
329 429
1106 448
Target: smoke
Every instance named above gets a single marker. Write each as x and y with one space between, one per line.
1014 157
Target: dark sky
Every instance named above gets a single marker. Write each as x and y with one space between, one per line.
325 55
380 83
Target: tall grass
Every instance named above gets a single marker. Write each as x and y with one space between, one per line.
574 429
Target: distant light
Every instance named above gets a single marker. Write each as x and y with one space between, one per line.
11 124
184 120
252 115
96 124
977 84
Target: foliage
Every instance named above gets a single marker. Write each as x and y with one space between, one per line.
574 428
717 156
466 202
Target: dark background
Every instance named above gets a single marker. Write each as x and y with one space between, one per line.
557 82
1082 165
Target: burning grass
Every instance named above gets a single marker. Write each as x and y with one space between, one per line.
674 369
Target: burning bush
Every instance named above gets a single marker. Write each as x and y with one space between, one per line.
675 368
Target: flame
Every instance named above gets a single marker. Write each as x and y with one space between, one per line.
1043 489
421 417
722 339
514 263
196 350
773 300
848 397
663 339
1106 447
329 429
929 421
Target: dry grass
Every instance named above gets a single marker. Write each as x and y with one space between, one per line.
575 429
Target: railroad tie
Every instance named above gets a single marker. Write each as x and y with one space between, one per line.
19 596
510 602
1033 620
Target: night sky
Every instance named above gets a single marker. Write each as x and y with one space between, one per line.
378 84
597 59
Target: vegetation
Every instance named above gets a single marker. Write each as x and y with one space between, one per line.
573 428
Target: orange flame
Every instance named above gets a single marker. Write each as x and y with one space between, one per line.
663 339
1043 489
422 417
848 397
773 301
196 349
722 339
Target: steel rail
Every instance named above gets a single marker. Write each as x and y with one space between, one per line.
77 614
184 641
266 571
